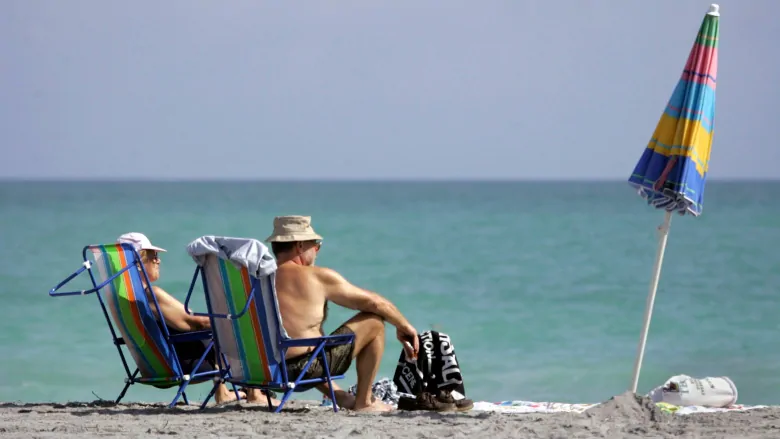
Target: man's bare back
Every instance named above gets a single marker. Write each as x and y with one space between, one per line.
302 303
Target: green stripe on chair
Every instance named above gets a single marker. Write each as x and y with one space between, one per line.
248 337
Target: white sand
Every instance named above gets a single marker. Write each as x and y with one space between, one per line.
622 416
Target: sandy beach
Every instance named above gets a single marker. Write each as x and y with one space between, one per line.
622 416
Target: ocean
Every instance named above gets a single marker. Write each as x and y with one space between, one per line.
541 285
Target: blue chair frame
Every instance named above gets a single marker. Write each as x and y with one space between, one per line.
155 331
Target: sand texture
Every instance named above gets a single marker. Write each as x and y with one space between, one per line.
625 415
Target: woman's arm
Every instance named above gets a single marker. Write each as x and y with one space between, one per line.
175 315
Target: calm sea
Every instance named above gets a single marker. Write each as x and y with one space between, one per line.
541 286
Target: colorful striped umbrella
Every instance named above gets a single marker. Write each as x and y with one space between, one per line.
672 171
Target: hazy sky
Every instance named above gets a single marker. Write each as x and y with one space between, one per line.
371 89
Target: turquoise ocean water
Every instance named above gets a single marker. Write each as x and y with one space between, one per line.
541 286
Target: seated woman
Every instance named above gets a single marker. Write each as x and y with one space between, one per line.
178 321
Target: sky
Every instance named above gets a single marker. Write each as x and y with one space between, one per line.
250 89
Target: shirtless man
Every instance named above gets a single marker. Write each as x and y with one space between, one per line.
304 290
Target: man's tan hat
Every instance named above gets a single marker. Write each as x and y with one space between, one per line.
292 228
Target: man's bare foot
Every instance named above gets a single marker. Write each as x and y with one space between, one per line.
344 399
255 396
224 395
376 406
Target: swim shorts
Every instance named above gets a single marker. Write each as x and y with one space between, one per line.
339 359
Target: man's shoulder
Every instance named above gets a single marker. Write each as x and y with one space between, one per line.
303 270
325 274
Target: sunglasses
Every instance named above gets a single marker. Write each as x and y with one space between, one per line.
152 256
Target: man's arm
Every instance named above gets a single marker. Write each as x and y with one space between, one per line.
175 315
339 291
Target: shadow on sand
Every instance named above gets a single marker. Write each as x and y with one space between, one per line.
103 407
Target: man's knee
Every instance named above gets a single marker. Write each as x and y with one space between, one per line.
369 322
380 323
374 318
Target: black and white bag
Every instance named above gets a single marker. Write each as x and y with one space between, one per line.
436 368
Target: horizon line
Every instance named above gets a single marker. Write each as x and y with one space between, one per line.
352 180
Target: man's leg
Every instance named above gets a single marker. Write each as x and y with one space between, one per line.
369 346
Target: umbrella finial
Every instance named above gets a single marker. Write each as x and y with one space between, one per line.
714 10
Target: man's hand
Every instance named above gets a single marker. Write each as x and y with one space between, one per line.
408 334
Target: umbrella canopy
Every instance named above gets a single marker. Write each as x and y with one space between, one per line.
673 168
672 171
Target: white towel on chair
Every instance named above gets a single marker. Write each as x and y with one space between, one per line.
243 252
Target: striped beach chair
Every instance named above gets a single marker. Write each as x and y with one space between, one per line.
116 278
249 334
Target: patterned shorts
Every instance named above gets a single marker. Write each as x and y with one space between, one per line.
339 359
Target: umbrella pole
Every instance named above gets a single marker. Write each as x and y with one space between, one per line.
659 258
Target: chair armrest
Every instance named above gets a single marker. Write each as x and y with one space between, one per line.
214 315
86 265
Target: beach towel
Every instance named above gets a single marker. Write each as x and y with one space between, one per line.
436 368
384 390
524 407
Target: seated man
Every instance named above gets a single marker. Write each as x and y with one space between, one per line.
177 319
304 291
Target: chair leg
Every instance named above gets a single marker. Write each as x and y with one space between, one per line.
332 395
122 393
184 397
281 403
210 395
329 382
127 386
178 394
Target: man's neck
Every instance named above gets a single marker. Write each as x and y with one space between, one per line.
286 260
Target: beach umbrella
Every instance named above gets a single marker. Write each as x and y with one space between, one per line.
672 170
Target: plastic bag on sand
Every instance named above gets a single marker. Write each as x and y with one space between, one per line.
682 391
